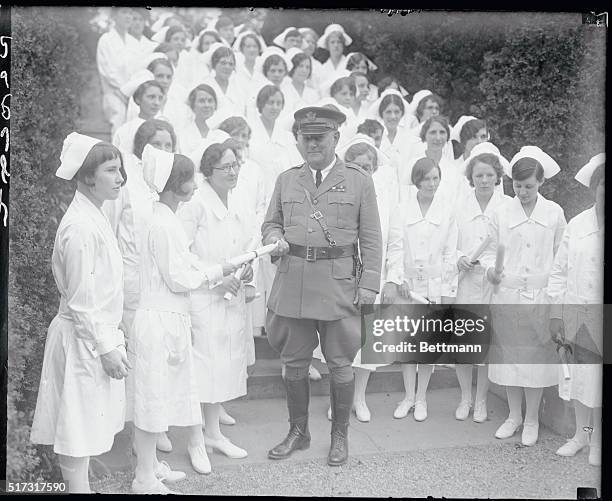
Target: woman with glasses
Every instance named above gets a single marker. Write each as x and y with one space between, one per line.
219 225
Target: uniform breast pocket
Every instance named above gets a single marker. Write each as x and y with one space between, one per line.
293 208
341 210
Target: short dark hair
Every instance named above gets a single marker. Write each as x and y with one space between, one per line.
100 153
370 127
222 22
202 87
443 121
598 176
430 97
160 60
220 53
214 34
359 149
355 59
173 30
266 92
233 124
421 168
143 87
385 82
391 99
182 171
298 59
147 130
485 158
527 167
272 60
470 129
343 82
212 155
251 36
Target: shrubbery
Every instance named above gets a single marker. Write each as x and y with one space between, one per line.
49 70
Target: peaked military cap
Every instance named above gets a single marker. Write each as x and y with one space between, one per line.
317 120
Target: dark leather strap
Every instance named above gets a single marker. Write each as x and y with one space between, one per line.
315 253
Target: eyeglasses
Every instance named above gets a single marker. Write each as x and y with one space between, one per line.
226 168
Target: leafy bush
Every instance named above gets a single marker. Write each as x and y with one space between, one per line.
49 70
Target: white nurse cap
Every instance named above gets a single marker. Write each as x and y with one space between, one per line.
74 151
490 148
280 39
156 167
129 88
550 166
322 42
455 133
585 173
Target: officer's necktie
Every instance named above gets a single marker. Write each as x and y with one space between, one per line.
318 178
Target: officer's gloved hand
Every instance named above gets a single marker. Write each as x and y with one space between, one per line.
365 296
283 246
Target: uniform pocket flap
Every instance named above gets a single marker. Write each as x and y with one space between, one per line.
293 197
340 198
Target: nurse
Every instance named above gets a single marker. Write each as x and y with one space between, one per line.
575 287
203 103
290 37
218 226
149 96
357 61
136 29
309 45
421 256
160 347
334 40
115 54
484 171
248 49
362 151
531 229
81 398
231 99
295 90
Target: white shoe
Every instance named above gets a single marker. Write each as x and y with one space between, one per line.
507 429
530 433
226 447
329 413
480 411
163 442
463 410
154 488
314 374
571 447
225 418
403 408
420 410
199 458
361 411
595 455
164 472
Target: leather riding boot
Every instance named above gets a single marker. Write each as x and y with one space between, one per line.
342 401
298 438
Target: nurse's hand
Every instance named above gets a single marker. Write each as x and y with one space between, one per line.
464 264
364 296
389 293
115 364
556 329
229 268
404 290
247 273
282 247
231 284
250 293
493 277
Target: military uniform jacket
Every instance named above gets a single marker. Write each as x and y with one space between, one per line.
323 289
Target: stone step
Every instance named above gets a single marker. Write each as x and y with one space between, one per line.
265 380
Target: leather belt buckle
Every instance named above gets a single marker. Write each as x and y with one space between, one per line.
311 253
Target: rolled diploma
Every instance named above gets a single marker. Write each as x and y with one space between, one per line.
242 259
564 365
418 298
499 259
476 254
249 256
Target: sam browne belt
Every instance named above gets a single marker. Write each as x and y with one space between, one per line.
315 253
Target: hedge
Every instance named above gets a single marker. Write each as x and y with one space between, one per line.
49 69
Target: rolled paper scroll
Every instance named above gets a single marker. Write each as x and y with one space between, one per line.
476 254
564 364
499 259
249 256
238 273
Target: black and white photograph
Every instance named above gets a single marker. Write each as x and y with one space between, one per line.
249 249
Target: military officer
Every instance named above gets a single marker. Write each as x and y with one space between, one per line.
324 214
